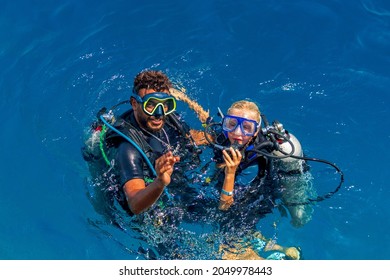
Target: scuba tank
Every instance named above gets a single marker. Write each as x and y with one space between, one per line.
93 149
287 164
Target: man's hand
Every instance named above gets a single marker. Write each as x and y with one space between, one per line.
164 167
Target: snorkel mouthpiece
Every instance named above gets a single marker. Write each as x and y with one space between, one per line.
236 146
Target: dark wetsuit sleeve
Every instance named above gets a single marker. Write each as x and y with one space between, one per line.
130 163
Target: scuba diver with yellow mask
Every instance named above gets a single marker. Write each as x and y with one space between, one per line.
144 143
138 159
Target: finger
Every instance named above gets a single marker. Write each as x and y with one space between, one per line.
160 160
169 158
226 154
165 156
172 160
157 164
233 153
227 158
168 170
161 163
239 155
227 161
165 168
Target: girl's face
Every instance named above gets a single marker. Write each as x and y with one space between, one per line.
237 136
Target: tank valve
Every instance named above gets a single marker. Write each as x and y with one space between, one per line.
278 126
109 117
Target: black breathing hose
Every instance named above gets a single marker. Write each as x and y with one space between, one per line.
271 132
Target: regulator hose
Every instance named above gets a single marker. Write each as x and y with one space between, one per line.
271 132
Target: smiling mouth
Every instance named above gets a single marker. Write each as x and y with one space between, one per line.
156 121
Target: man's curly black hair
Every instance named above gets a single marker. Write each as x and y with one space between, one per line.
151 79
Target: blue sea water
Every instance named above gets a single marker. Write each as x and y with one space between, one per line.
320 67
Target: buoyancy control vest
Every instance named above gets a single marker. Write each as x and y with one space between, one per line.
103 141
126 124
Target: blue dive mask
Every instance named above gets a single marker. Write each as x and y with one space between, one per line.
248 127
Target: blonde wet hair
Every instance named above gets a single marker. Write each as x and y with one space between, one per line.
246 105
203 115
180 94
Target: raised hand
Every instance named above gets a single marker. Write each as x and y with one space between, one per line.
164 167
232 160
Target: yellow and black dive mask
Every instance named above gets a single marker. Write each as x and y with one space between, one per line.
156 103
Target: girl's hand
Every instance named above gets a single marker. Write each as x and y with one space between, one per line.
232 161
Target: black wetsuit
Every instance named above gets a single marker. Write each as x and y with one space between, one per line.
159 224
130 164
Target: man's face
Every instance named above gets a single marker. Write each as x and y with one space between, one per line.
150 123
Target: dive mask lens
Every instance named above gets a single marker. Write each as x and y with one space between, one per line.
229 124
248 127
158 103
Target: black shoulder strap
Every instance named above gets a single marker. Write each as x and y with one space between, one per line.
174 121
123 124
251 157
